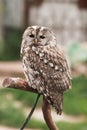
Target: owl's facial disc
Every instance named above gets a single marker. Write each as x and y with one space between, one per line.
38 36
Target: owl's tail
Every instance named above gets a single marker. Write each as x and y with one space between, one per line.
58 102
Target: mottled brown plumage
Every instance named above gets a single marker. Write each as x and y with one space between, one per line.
45 65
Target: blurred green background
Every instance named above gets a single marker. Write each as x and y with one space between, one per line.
11 44
70 29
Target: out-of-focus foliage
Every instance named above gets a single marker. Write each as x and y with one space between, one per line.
12 44
77 53
75 101
1 49
70 126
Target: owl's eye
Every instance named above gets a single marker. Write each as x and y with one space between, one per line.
31 35
42 37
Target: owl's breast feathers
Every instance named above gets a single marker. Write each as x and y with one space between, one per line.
53 71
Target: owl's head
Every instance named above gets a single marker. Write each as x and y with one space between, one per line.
39 36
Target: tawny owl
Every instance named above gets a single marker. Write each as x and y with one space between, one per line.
45 65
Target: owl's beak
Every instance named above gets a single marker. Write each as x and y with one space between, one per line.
36 40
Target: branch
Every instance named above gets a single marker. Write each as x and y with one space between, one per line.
18 83
47 115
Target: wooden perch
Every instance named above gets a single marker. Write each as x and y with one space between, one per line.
18 83
47 115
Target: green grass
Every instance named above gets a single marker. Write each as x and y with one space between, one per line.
70 126
61 125
37 124
11 116
75 101
26 98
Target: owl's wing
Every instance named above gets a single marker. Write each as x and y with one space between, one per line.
55 70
